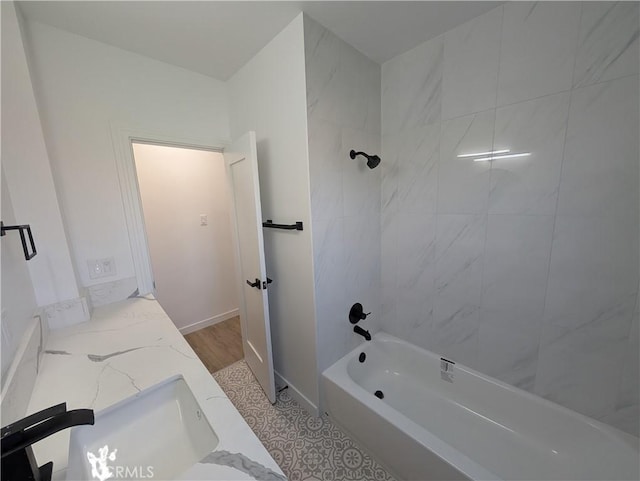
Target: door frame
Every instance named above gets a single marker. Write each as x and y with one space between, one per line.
122 137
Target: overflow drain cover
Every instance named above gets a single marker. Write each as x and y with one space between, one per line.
379 394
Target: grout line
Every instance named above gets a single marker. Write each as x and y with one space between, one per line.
486 220
555 215
575 58
553 234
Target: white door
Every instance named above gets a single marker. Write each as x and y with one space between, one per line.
242 169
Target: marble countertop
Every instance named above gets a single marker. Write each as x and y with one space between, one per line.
126 347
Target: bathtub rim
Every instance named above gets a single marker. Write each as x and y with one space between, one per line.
629 439
419 434
338 375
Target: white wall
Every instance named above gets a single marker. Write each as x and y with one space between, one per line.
18 298
193 265
268 95
343 107
28 173
83 88
525 268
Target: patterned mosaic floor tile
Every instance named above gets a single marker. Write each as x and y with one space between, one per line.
306 448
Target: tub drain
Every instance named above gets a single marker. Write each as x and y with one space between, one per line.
379 394
362 357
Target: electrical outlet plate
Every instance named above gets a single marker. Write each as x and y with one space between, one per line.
99 268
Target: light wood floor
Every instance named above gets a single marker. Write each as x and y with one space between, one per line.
218 346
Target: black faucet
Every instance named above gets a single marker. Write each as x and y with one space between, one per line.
18 461
362 332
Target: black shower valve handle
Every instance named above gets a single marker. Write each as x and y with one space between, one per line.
357 314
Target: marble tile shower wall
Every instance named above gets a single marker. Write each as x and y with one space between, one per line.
343 110
526 268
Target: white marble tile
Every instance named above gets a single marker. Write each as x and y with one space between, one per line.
412 87
343 86
529 185
460 245
508 346
463 185
608 45
416 156
455 338
600 170
390 222
344 277
361 104
629 390
334 329
471 58
390 227
516 263
538 47
414 311
625 419
322 61
329 257
388 307
416 251
325 146
360 184
362 252
593 275
362 278
364 77
389 171
365 86
513 293
457 285
580 368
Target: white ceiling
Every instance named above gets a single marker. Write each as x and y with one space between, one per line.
216 38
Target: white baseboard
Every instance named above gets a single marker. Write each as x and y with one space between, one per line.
209 322
296 395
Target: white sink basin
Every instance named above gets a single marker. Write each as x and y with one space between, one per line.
156 434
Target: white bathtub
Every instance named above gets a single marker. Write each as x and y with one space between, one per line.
469 427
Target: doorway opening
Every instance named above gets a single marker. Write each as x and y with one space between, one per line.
187 219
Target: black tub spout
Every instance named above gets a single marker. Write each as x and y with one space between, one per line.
362 332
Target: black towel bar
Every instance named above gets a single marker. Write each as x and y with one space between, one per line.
21 229
269 223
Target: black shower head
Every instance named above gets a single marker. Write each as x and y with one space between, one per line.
372 160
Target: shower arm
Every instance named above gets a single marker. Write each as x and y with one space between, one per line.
372 160
353 154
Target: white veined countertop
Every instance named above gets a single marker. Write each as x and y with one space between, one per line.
127 347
